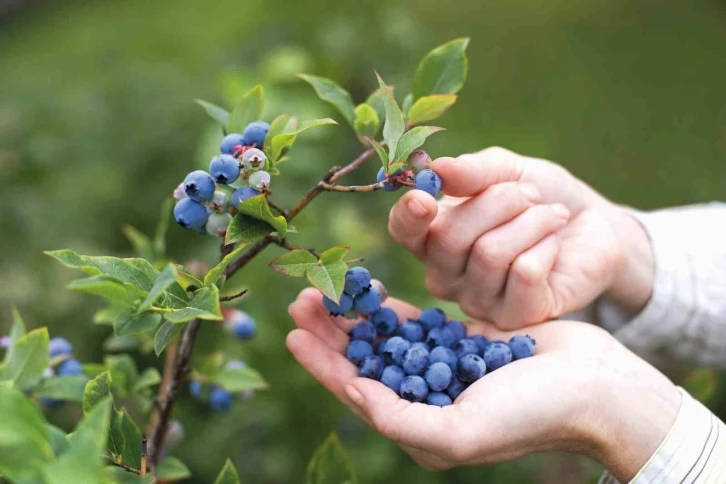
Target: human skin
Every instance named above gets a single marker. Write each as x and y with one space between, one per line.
582 392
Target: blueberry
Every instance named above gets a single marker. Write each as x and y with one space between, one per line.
371 367
444 355
392 377
456 387
199 186
458 329
242 194
367 302
364 331
254 159
260 180
465 346
428 181
438 399
195 388
220 201
497 354
230 141
522 346
431 318
59 346
220 400
174 434
190 214
388 185
235 365
415 360
470 368
357 350
438 376
357 279
412 331
414 389
179 192
419 160
338 309
239 323
440 337
378 285
381 346
385 320
48 402
420 344
394 350
255 133
70 368
224 169
481 343
217 224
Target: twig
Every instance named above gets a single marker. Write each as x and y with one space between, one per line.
329 187
279 208
125 467
254 249
288 246
353 165
233 296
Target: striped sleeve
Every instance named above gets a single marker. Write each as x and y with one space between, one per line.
693 452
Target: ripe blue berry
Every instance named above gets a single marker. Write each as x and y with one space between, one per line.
431 318
470 368
357 279
456 387
254 159
497 354
440 337
414 389
394 350
458 329
428 181
378 285
465 346
367 302
481 343
199 186
522 346
242 194
420 344
415 360
385 320
260 180
371 367
419 160
190 214
438 376
411 331
70 368
357 350
388 185
392 377
364 331
381 346
217 224
255 133
195 388
239 323
59 346
224 169
220 400
174 434
338 309
444 355
230 141
438 399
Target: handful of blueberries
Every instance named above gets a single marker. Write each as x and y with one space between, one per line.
427 360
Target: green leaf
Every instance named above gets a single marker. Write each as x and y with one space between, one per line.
285 140
442 71
58 439
215 273
140 242
247 110
162 227
394 126
124 441
430 107
107 287
17 331
148 378
375 100
258 208
167 277
366 121
330 464
185 278
129 323
228 474
240 379
412 139
381 151
24 445
165 334
277 126
294 263
204 305
218 114
329 278
406 104
334 254
332 93
69 388
92 370
28 359
244 229
124 373
96 390
211 365
172 469
116 475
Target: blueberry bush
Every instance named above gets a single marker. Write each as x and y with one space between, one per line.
156 305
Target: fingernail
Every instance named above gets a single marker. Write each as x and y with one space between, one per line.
417 209
354 395
561 210
530 191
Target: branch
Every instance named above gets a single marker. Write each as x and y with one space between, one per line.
329 187
353 165
233 296
279 208
125 467
288 246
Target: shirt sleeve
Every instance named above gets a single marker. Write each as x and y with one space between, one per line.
685 319
693 451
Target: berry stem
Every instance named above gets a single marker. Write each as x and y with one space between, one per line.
233 296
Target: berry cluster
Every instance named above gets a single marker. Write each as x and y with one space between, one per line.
62 364
219 399
204 202
417 172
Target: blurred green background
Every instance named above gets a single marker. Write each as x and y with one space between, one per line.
97 126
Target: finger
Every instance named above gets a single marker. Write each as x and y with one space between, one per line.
409 220
495 251
309 314
468 175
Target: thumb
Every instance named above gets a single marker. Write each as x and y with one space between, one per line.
469 175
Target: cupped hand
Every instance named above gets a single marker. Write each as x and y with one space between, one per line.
519 240
582 391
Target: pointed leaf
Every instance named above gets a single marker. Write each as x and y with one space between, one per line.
228 474
28 359
148 378
406 104
285 140
69 388
165 334
17 331
277 126
366 121
442 71
294 263
334 254
167 277
58 439
107 287
330 464
258 208
129 323
185 278
96 390
430 107
247 110
380 150
413 138
124 373
329 278
332 93
204 305
240 379
140 242
215 112
215 273
245 230
375 100
172 469
127 439
394 125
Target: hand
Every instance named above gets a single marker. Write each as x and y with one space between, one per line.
519 240
582 391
